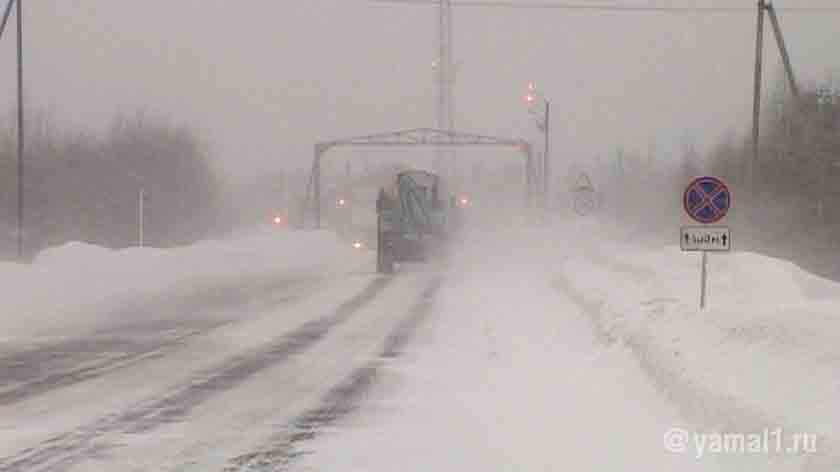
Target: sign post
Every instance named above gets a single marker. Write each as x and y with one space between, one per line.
706 200
141 217
703 265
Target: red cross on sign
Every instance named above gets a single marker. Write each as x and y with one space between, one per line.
707 200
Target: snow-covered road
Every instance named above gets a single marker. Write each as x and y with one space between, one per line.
196 400
533 350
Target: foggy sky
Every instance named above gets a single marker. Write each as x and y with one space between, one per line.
263 80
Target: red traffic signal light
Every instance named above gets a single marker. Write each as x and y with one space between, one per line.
532 95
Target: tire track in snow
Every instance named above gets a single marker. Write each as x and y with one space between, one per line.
344 398
39 370
29 374
63 451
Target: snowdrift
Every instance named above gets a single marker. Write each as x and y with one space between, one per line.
764 354
79 286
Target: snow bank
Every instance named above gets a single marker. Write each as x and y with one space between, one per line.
80 285
764 354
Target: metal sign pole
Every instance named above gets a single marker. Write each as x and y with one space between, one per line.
703 280
140 216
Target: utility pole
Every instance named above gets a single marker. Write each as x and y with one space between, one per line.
20 129
445 105
759 51
444 64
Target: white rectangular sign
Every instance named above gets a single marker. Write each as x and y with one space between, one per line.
705 238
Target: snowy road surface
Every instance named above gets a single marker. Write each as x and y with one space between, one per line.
179 396
504 359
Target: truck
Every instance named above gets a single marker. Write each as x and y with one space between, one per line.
416 218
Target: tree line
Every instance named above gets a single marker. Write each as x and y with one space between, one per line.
85 186
798 163
793 188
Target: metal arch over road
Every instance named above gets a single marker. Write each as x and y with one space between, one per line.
408 138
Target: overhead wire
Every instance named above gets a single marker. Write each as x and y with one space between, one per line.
546 5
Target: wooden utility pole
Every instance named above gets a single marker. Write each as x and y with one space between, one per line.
759 50
20 136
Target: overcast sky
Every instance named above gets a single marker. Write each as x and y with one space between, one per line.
263 80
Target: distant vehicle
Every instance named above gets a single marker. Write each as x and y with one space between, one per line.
416 217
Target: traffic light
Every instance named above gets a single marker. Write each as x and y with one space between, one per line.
531 95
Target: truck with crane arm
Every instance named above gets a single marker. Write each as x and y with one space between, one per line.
416 218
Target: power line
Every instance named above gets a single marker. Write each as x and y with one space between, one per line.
507 4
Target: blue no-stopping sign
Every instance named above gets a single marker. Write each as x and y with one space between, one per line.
707 200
